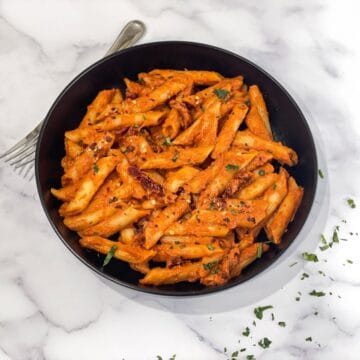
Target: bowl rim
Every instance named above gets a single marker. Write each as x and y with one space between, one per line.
157 290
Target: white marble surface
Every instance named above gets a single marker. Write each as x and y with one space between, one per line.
52 307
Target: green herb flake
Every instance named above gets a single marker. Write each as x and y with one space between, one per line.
235 354
246 332
109 255
222 94
297 298
321 174
351 203
317 293
210 247
176 156
325 247
349 261
310 257
232 167
323 239
260 310
261 172
259 251
304 275
308 338
167 141
250 357
159 357
211 266
212 205
335 237
282 323
254 323
173 357
265 343
95 168
272 317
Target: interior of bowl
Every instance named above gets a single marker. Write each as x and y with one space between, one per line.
287 121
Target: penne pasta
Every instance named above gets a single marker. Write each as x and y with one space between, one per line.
181 171
277 224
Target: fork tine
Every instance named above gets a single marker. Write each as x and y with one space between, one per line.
14 148
24 148
24 156
28 160
29 168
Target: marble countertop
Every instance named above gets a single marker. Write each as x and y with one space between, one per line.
52 307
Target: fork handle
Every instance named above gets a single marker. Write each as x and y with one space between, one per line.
128 36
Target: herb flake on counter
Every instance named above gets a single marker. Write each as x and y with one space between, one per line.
243 349
317 293
235 354
173 357
222 94
250 357
304 275
335 237
308 338
351 203
321 174
109 255
259 311
246 332
282 323
310 257
349 261
159 357
265 343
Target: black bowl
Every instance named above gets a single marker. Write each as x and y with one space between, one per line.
287 121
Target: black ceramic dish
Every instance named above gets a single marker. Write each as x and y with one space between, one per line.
287 121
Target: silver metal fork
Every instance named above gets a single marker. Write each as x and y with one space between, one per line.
22 155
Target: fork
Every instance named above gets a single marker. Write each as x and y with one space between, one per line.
22 155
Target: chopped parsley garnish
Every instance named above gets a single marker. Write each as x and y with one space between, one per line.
335 237
212 205
349 261
225 349
261 172
297 298
235 354
210 247
317 293
176 156
167 141
282 323
259 311
265 343
250 357
259 251
159 357
221 93
321 174
246 332
113 199
173 357
211 266
95 168
243 349
304 275
109 255
232 167
308 338
351 203
310 257
272 317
